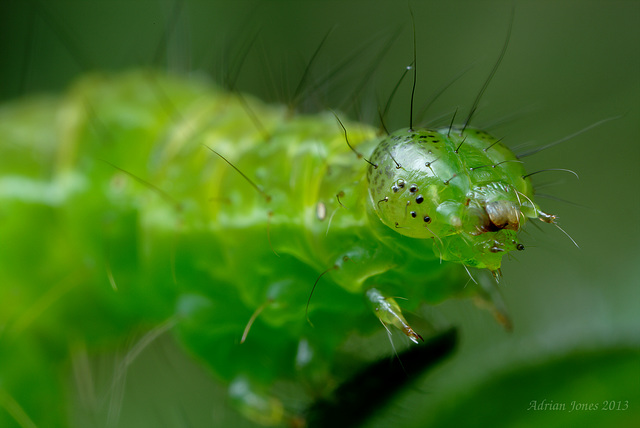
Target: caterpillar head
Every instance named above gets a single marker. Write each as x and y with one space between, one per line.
463 189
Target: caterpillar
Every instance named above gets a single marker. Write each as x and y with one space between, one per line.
208 223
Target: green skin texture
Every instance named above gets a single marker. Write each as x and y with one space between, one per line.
116 216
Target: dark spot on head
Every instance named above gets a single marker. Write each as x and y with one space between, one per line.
419 199
519 247
395 189
414 214
401 184
427 219
413 188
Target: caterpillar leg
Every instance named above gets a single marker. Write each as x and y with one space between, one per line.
254 404
489 298
388 312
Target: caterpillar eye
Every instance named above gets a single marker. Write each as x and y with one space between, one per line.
519 247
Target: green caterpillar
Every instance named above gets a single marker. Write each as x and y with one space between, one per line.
127 174
202 244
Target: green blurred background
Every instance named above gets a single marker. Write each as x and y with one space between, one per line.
569 64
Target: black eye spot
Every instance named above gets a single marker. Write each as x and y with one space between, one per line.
413 188
419 199
519 247
427 219
401 184
395 189
413 214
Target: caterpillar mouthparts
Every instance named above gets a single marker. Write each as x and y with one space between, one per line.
460 187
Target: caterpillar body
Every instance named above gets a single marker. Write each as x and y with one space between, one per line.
215 250
160 200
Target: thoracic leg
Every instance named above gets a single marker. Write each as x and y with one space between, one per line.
388 311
